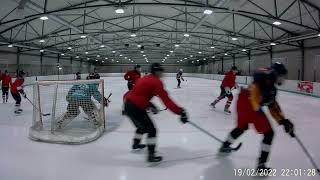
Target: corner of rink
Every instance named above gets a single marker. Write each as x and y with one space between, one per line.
66 137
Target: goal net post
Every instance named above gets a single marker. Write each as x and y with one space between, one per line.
69 112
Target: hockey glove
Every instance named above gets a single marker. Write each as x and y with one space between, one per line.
228 91
288 127
153 108
23 94
184 117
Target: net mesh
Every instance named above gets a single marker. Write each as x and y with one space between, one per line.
68 111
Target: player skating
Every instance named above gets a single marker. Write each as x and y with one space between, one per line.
179 77
261 92
228 83
17 89
80 96
6 82
138 100
132 76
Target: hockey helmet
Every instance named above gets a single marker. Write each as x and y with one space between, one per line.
279 68
156 67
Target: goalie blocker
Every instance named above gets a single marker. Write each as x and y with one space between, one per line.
76 108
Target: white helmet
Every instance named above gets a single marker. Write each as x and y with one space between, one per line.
181 70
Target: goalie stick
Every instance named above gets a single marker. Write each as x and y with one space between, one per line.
214 137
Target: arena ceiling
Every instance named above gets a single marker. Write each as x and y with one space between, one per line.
168 31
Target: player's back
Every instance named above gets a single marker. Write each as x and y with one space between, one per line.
144 90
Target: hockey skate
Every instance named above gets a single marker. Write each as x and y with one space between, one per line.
225 149
227 111
138 147
213 105
153 159
18 111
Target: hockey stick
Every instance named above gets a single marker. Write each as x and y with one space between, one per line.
211 135
46 114
307 153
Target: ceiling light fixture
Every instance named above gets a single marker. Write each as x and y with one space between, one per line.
234 39
42 50
186 35
44 18
86 52
42 41
277 23
273 44
133 35
113 51
83 36
102 46
176 45
10 45
212 47
207 11
119 10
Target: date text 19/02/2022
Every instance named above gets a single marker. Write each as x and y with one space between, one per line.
275 172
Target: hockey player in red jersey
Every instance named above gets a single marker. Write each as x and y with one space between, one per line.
132 76
138 100
261 92
227 84
17 89
6 82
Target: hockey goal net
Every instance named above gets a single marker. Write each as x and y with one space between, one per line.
70 112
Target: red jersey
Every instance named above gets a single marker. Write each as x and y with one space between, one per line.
17 85
229 80
6 80
132 75
145 89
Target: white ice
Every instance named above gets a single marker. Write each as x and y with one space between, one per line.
188 153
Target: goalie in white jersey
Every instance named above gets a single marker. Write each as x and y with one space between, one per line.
80 96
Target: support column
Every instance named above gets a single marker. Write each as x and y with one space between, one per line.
234 59
271 55
302 61
222 68
18 58
249 68
58 70
71 59
41 63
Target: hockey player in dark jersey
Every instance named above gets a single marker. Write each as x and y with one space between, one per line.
261 92
138 100
227 84
179 77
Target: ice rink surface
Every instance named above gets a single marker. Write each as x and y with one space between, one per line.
188 153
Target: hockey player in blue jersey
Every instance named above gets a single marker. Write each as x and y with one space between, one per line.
80 96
